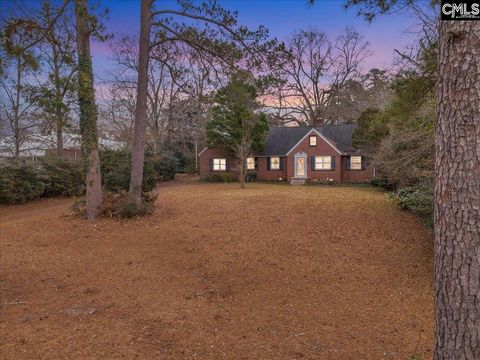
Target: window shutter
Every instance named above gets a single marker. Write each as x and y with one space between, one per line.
256 163
210 164
312 162
333 163
364 163
268 163
280 159
348 162
227 165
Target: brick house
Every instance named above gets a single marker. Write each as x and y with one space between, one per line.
299 154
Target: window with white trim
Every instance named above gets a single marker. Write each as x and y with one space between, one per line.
323 162
355 163
219 164
274 163
313 140
250 163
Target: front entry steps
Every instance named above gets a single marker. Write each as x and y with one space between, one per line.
297 181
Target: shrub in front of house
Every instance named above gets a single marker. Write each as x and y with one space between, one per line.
326 181
20 184
418 199
224 177
383 183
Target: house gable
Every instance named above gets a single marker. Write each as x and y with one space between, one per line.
201 152
307 135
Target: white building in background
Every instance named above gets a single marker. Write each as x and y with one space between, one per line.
37 146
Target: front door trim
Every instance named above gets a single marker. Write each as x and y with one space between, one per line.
300 155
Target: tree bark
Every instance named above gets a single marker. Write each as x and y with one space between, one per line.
457 193
58 101
138 154
88 111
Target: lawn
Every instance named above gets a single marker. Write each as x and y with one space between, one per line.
269 272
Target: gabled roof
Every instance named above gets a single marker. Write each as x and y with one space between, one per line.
340 135
281 140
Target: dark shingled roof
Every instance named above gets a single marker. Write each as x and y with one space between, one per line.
280 140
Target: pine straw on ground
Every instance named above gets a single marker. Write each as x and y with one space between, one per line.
269 272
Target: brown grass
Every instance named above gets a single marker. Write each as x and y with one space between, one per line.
269 272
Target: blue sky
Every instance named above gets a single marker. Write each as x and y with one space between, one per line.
281 17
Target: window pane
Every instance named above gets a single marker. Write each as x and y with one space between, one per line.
220 164
313 140
250 163
323 163
356 162
275 163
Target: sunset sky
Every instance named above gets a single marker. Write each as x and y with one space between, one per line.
281 17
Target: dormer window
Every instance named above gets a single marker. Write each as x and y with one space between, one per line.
313 140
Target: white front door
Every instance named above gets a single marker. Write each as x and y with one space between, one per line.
301 166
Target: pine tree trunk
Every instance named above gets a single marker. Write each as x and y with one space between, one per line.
88 111
457 193
136 177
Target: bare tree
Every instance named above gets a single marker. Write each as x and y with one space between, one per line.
138 152
211 30
54 94
314 71
17 41
181 85
117 109
119 103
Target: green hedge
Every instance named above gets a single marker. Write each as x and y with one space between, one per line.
224 177
383 183
20 184
418 199
116 165
55 176
62 177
